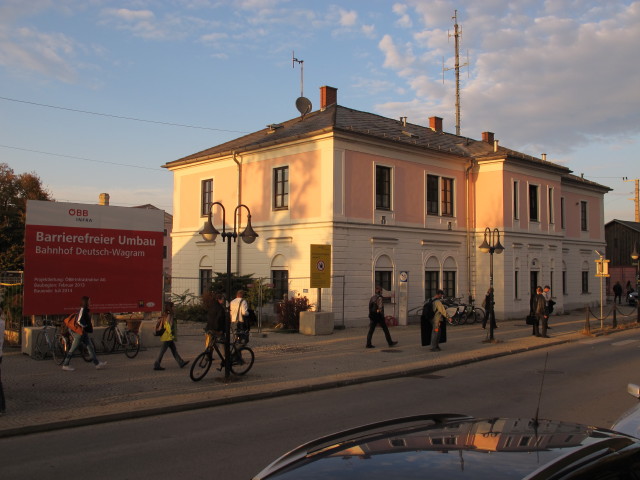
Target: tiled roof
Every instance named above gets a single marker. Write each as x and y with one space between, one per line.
337 118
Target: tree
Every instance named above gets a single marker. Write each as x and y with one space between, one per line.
15 190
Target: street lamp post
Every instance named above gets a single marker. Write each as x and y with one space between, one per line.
209 233
635 257
491 245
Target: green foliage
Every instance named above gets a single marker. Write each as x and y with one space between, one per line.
289 312
238 282
15 190
259 293
184 299
12 306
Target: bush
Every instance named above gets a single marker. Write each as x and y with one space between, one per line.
289 312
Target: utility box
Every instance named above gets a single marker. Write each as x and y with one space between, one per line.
316 323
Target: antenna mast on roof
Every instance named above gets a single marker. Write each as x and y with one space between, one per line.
457 33
302 104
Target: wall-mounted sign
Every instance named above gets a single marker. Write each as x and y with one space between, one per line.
320 268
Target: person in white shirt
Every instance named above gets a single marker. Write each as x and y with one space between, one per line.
238 309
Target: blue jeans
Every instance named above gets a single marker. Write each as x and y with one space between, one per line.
77 338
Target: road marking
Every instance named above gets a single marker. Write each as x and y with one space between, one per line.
623 342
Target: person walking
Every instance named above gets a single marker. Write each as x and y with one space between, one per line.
549 303
168 338
440 315
84 321
489 313
617 293
376 317
3 405
540 311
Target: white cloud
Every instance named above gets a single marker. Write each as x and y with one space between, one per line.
348 18
394 57
404 19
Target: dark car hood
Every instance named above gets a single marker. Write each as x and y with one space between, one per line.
451 446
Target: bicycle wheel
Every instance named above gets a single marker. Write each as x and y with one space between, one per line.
479 313
242 360
471 316
109 339
84 351
132 347
59 349
200 366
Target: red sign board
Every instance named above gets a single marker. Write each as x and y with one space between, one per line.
111 254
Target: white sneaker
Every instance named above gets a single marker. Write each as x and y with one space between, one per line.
101 365
68 368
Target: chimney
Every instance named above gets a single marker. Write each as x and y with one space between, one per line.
544 157
487 137
328 97
104 199
435 123
495 145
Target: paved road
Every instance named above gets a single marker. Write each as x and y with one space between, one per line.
40 396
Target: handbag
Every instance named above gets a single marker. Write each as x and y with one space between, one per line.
159 330
532 320
72 323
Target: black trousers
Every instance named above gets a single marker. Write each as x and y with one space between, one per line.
374 321
3 405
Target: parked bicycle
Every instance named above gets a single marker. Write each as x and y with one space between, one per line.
49 342
114 337
242 357
459 313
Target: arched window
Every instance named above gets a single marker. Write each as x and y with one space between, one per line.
383 273
585 277
205 276
431 277
280 277
449 269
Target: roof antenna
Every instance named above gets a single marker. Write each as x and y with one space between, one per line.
456 35
303 104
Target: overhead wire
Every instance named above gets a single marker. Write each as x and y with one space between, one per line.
120 117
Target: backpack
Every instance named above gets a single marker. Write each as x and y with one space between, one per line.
159 328
427 311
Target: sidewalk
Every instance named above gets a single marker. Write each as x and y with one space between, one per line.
41 397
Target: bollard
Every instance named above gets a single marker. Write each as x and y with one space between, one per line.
614 323
587 327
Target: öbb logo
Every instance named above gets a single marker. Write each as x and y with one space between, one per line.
81 215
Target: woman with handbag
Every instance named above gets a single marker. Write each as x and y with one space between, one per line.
83 327
169 337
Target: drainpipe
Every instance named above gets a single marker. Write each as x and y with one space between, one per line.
467 178
239 201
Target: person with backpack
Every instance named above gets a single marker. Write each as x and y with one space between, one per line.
168 338
86 327
376 317
431 322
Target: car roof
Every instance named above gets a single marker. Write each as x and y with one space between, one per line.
452 446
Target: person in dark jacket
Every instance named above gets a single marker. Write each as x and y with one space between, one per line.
376 317
540 311
84 320
216 316
489 313
617 292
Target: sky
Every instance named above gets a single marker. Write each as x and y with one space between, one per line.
97 95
